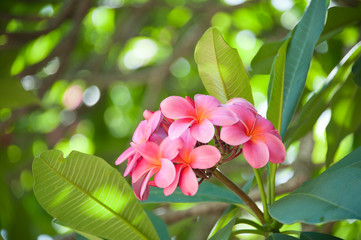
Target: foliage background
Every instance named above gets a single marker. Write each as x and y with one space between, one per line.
78 75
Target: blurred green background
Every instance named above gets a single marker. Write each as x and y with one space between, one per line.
77 75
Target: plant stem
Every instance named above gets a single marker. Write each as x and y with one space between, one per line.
251 223
262 193
272 183
237 190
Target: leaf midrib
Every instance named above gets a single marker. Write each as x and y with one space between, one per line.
92 197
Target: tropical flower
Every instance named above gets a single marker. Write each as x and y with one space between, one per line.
189 158
200 115
156 160
261 141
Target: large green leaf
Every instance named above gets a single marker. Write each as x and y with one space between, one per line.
309 113
226 217
159 226
88 195
276 86
279 236
356 72
345 117
317 236
332 196
299 56
207 192
221 69
337 19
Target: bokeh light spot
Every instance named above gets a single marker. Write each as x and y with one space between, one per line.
91 95
72 97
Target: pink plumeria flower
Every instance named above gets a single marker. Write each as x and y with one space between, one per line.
200 115
261 141
156 160
189 158
142 134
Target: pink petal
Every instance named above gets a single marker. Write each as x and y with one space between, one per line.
262 125
140 133
148 150
221 116
175 107
204 157
203 131
243 103
235 134
131 163
125 155
246 116
205 102
190 100
256 153
179 127
188 182
276 148
141 187
189 143
166 174
155 120
172 187
170 148
141 168
147 114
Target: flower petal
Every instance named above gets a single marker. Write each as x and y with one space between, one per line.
276 148
203 131
170 148
178 127
141 187
175 107
165 176
154 121
172 187
125 155
262 125
140 133
131 163
221 116
140 169
148 150
189 143
246 116
188 182
204 157
235 134
204 102
256 153
243 103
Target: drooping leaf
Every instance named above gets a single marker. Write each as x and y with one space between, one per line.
337 19
276 87
332 196
345 117
225 232
279 236
226 217
88 195
299 56
356 71
309 113
207 192
317 236
221 69
159 226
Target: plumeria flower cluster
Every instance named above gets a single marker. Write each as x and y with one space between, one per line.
172 146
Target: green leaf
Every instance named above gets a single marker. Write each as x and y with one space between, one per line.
88 195
159 225
207 192
320 100
279 236
78 234
337 19
356 71
226 217
276 87
345 117
332 196
317 236
299 56
221 69
262 62
225 232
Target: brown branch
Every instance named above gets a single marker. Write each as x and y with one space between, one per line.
7 17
